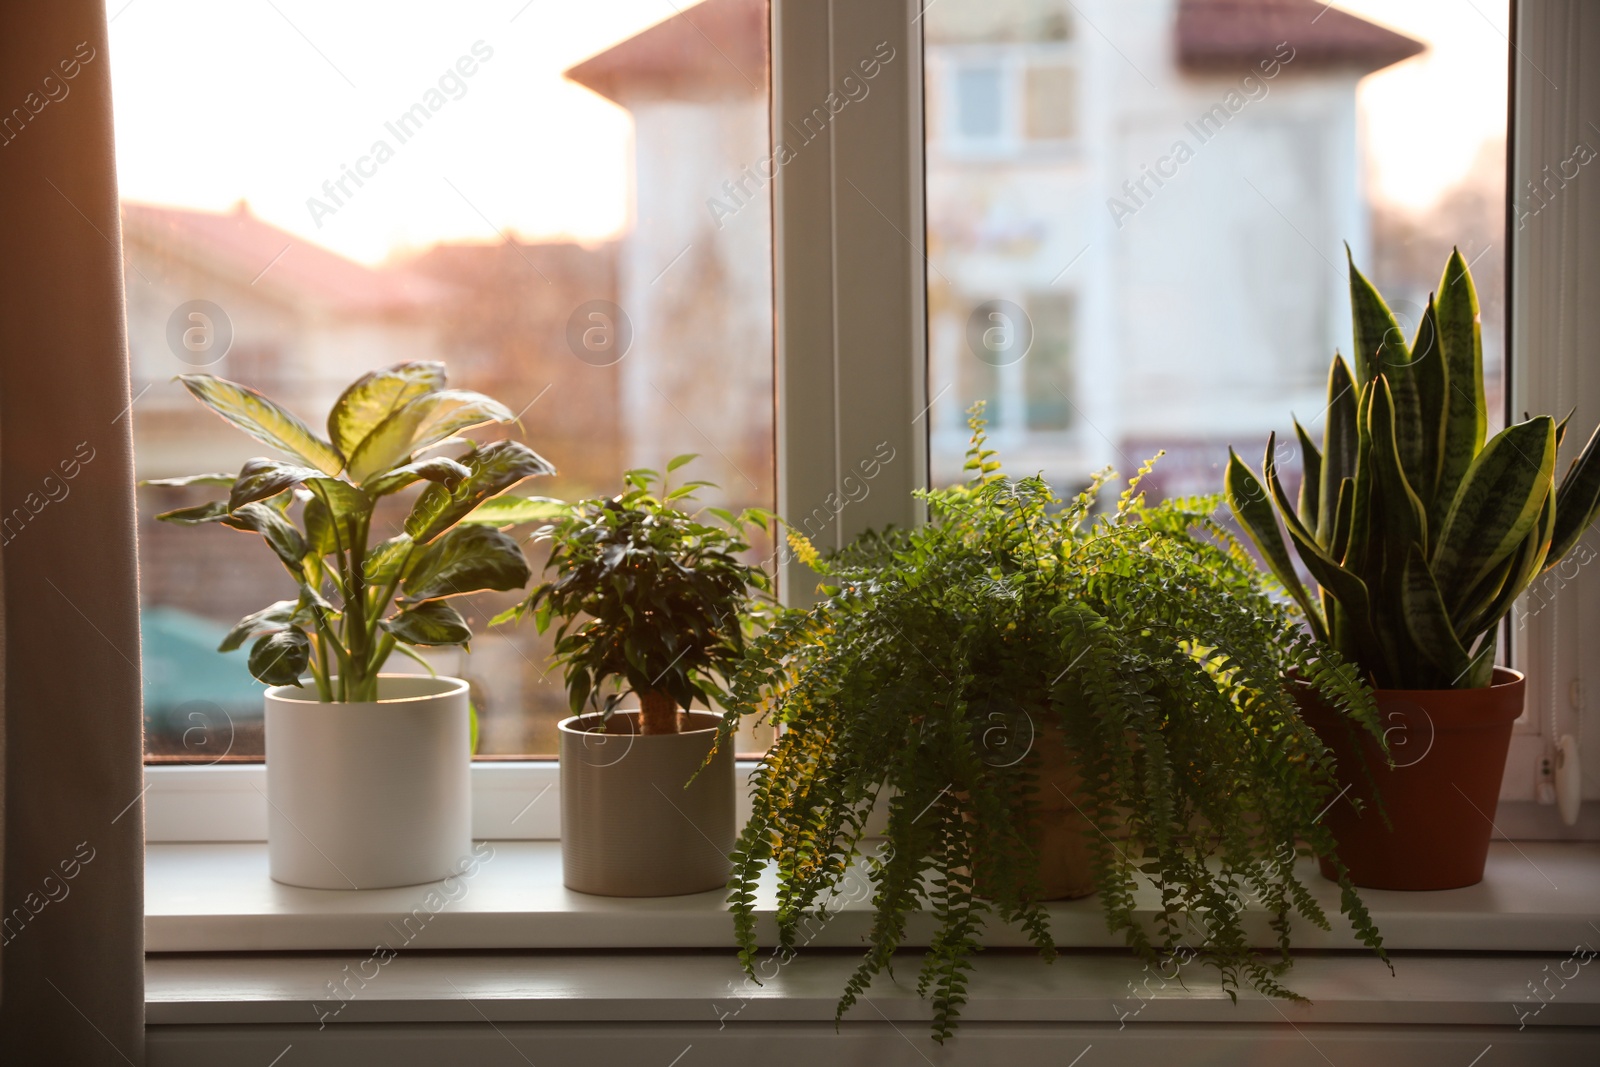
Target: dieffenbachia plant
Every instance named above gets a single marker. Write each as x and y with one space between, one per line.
1420 535
360 601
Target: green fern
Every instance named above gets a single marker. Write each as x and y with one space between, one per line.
1144 633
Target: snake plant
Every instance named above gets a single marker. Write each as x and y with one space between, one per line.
1420 534
378 432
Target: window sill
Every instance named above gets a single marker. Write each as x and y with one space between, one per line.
214 898
1467 995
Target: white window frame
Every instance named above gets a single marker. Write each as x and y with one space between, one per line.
1553 332
850 302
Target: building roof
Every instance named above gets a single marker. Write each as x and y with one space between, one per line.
719 47
238 245
1225 34
715 48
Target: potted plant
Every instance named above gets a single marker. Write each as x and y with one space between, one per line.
1047 702
368 779
1420 537
651 602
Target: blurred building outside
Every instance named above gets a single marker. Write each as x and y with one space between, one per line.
1130 247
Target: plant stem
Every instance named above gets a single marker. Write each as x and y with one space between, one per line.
330 639
658 713
319 669
360 628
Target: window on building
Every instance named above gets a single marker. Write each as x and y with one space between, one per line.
1002 80
979 109
1047 370
567 205
1050 102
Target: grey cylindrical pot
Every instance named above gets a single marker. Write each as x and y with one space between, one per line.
629 827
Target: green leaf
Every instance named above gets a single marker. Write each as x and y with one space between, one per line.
281 658
468 559
279 616
321 537
687 490
1346 586
375 396
433 622
1427 618
509 510
1405 519
1362 502
264 420
1576 501
1498 503
1461 340
1561 427
1310 477
579 685
385 562
262 478
1535 548
1481 671
421 422
1399 374
1432 386
273 617
1343 515
1374 323
1249 503
683 460
441 469
280 533
1483 611
1340 442
335 515
192 479
495 468
198 515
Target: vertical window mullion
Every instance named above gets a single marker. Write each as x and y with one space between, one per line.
849 245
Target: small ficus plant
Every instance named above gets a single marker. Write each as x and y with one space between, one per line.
648 599
359 600
1141 637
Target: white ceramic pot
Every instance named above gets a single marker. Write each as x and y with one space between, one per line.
371 794
629 828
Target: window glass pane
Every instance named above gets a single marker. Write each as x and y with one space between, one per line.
978 102
1050 95
569 206
1047 370
1183 268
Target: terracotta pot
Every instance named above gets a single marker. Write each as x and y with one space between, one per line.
1065 872
1449 748
1064 830
629 827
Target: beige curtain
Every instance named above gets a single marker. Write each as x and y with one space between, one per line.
72 958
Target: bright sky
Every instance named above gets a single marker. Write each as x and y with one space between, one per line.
1426 118
268 99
